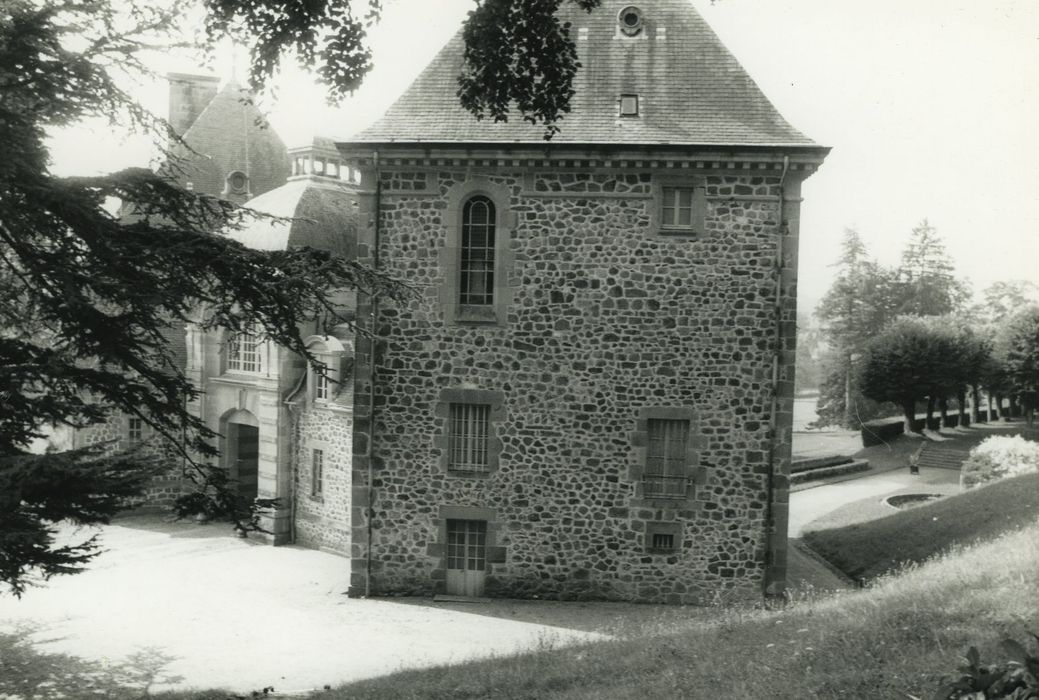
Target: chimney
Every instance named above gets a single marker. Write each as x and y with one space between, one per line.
189 95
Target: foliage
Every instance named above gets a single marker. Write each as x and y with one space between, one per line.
1015 679
518 54
90 298
907 362
1002 300
998 457
929 286
867 550
1018 355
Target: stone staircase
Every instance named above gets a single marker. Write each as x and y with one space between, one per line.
824 467
943 455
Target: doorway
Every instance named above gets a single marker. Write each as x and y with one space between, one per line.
243 455
466 557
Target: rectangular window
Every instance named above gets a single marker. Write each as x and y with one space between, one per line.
629 105
317 473
677 207
243 353
663 541
134 430
665 474
321 382
468 432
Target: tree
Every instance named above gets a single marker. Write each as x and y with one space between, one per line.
906 364
855 308
518 54
926 276
1002 300
87 296
1019 355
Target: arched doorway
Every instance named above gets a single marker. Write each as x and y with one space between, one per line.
242 452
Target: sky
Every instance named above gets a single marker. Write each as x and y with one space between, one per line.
931 108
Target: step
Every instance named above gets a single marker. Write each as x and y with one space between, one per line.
855 465
803 465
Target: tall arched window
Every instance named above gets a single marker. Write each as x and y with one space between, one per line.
476 267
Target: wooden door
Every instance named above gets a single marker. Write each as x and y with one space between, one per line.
246 440
466 557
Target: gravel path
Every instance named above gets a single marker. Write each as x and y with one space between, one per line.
230 613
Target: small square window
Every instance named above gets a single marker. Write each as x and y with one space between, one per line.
663 537
317 473
663 540
629 105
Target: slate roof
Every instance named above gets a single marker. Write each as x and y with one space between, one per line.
227 137
691 90
323 211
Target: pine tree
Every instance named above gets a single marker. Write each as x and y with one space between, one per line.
88 298
927 276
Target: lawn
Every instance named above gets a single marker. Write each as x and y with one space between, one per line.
869 549
895 640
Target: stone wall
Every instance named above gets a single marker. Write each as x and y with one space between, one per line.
608 317
163 489
322 521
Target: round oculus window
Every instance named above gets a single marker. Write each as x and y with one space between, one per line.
237 181
630 20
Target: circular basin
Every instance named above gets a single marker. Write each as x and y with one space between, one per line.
908 500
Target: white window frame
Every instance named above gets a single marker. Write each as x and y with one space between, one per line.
251 362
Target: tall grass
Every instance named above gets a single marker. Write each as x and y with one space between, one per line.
894 640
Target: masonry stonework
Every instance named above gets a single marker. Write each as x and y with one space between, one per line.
607 318
322 520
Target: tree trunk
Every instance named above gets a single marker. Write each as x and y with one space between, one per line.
975 401
1000 413
930 413
961 400
943 410
909 411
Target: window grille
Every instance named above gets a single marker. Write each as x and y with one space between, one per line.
663 540
665 475
678 207
134 430
476 269
321 382
468 436
317 473
243 353
467 545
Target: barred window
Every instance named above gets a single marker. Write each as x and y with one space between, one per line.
469 429
678 207
665 473
663 541
476 269
243 352
317 472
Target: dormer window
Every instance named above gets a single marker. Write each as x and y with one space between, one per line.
630 20
629 105
326 379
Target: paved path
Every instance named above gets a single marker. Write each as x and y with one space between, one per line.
238 615
812 504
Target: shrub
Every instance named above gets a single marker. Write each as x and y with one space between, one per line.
878 432
997 457
1017 679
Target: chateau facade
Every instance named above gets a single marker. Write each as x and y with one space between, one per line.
590 393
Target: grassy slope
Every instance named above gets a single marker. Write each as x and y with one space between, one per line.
896 638
866 550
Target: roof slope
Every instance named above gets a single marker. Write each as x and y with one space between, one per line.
691 90
314 211
228 136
